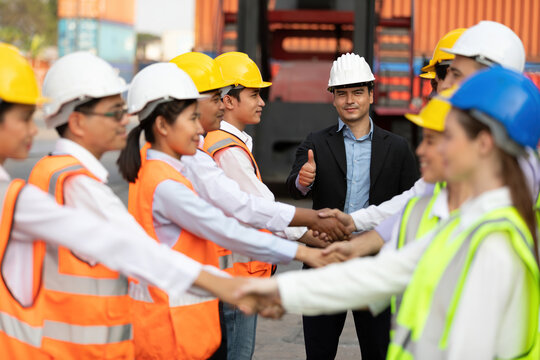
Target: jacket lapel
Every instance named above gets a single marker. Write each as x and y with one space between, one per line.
379 149
337 146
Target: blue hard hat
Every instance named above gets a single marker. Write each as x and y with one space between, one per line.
505 96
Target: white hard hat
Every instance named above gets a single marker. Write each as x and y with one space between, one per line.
75 79
490 42
156 84
349 69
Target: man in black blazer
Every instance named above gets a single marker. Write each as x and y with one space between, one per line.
348 166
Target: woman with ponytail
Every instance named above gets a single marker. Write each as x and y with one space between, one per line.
164 202
471 287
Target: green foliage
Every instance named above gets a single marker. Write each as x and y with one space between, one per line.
29 24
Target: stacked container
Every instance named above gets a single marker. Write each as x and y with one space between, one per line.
104 27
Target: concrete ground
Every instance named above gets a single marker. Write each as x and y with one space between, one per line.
276 339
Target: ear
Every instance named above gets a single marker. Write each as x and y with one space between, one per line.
370 96
486 142
161 126
229 102
77 124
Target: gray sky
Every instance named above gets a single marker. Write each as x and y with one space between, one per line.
156 16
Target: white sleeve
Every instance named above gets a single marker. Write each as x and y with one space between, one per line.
494 296
367 218
175 202
237 165
213 185
361 282
120 248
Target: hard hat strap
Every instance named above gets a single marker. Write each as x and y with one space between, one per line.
502 139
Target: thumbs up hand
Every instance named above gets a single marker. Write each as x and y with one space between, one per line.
306 176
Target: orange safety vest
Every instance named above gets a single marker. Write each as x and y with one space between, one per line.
186 326
236 264
20 326
86 307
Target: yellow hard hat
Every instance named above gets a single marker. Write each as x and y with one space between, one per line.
447 41
18 82
239 69
432 115
203 70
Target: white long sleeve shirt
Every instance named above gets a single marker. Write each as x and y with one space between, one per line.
176 207
237 165
214 186
368 218
487 322
122 248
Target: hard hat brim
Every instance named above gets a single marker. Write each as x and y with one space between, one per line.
30 100
428 75
418 120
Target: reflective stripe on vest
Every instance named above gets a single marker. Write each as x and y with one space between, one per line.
423 332
19 330
86 335
20 327
217 140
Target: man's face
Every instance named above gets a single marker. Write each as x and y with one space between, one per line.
249 109
211 110
104 133
352 104
460 68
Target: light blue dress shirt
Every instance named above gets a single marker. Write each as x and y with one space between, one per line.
358 154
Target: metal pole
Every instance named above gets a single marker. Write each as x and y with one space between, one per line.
364 29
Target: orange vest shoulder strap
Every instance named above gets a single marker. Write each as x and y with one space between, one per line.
50 173
219 139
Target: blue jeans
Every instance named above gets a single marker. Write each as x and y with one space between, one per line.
241 331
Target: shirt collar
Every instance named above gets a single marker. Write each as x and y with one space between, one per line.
152 154
474 208
369 135
89 161
242 135
4 176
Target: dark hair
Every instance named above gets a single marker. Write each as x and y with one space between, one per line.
129 161
512 176
235 93
86 106
369 84
4 107
441 70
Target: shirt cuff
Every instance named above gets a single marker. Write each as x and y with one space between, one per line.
283 217
303 189
295 232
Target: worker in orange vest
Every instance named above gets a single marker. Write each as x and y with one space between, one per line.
165 204
28 214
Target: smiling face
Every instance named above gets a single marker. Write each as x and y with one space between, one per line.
182 136
247 109
431 161
212 111
352 104
17 130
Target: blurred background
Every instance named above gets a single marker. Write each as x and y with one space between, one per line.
293 41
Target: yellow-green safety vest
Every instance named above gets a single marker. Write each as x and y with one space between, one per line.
440 276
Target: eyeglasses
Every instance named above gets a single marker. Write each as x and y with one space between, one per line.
118 115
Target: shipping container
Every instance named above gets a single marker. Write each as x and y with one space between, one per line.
116 42
111 41
122 11
432 19
77 34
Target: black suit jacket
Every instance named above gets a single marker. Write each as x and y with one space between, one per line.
393 167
